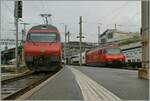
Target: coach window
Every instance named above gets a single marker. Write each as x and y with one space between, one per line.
133 60
129 61
138 60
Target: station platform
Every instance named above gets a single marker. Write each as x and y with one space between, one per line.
91 83
62 86
121 82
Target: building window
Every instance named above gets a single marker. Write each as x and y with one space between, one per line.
128 56
110 35
133 60
103 40
138 60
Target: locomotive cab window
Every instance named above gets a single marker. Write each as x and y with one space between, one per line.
113 51
42 37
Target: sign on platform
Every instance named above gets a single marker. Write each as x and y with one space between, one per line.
7 42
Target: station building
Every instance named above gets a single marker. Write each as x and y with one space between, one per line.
7 55
113 35
132 52
72 49
130 43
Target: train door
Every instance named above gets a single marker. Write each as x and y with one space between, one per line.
103 56
99 55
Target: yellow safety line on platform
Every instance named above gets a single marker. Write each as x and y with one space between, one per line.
91 90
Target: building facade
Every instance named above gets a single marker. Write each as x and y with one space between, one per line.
72 49
132 52
112 35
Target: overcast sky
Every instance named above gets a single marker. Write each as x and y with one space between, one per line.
108 13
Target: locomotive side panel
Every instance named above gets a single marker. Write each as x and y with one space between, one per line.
105 56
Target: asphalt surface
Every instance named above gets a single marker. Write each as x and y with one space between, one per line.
62 87
123 83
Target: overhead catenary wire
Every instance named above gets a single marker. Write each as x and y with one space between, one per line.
115 10
45 10
42 4
117 14
9 10
134 16
10 13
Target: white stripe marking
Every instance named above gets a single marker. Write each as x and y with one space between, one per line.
90 89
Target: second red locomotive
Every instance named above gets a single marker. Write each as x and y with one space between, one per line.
104 56
42 49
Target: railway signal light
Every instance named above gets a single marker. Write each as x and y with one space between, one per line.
18 9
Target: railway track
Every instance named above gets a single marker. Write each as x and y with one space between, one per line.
17 86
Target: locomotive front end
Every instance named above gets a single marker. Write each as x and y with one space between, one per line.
42 49
114 56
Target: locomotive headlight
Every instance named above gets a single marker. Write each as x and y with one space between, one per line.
42 50
121 59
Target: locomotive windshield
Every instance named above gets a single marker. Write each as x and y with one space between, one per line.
113 50
42 37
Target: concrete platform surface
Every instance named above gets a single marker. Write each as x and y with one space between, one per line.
123 83
92 83
62 87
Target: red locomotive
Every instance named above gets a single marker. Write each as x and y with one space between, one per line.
42 49
105 56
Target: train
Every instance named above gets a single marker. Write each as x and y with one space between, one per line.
42 48
75 60
107 55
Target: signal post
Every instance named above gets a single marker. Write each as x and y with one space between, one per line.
143 72
17 15
80 38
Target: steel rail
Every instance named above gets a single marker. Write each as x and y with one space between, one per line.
24 89
16 77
